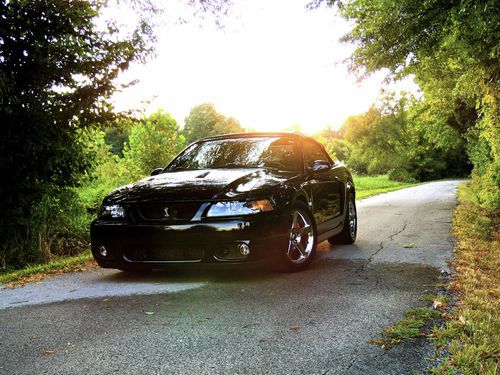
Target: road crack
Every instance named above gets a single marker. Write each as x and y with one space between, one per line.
391 237
350 364
381 247
370 258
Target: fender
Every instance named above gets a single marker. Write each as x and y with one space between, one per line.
302 195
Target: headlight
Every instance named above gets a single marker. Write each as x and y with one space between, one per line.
234 208
113 211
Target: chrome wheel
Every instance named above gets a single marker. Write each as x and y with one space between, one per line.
352 219
301 238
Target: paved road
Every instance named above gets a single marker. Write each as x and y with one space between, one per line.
243 321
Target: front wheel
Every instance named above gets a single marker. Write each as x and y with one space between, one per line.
302 238
349 232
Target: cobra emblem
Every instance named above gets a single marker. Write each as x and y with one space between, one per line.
166 212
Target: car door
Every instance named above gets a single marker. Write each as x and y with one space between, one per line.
324 186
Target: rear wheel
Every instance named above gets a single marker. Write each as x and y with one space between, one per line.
349 232
302 239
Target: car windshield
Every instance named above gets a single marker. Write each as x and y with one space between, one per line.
269 152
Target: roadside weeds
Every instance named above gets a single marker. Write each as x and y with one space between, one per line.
33 274
471 332
465 328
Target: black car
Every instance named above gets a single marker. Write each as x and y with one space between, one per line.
230 199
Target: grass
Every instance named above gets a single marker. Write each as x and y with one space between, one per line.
410 327
367 186
438 300
470 330
471 333
33 273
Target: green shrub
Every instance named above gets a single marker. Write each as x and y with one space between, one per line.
57 225
401 174
152 143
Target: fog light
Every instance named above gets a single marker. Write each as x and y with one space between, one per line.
103 251
244 249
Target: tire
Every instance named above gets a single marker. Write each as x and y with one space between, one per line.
350 229
302 239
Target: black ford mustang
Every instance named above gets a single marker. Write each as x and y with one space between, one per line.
232 198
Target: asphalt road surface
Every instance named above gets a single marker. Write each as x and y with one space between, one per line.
239 321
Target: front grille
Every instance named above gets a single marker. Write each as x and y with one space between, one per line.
170 254
177 211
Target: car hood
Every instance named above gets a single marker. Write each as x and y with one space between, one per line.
200 185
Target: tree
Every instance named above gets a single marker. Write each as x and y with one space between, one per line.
394 136
153 143
204 121
376 138
451 47
117 133
57 69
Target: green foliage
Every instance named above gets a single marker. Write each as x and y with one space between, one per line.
375 140
398 35
397 136
471 333
371 185
401 174
336 147
55 227
106 174
57 265
116 134
204 121
152 144
452 50
57 70
408 328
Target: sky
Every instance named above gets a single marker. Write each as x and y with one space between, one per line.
273 65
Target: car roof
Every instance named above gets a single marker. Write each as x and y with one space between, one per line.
254 134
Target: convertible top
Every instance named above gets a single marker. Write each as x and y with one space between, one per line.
255 134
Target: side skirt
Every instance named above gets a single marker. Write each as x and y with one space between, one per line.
332 232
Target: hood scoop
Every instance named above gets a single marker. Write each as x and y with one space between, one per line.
203 175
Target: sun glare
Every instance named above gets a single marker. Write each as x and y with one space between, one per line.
272 66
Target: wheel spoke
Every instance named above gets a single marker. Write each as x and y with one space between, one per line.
305 230
295 220
301 237
299 248
292 249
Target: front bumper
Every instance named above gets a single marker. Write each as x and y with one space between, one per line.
206 241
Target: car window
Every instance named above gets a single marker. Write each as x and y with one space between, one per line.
271 152
313 152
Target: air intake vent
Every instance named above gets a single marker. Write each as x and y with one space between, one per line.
178 211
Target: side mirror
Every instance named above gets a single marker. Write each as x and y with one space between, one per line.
156 171
319 166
